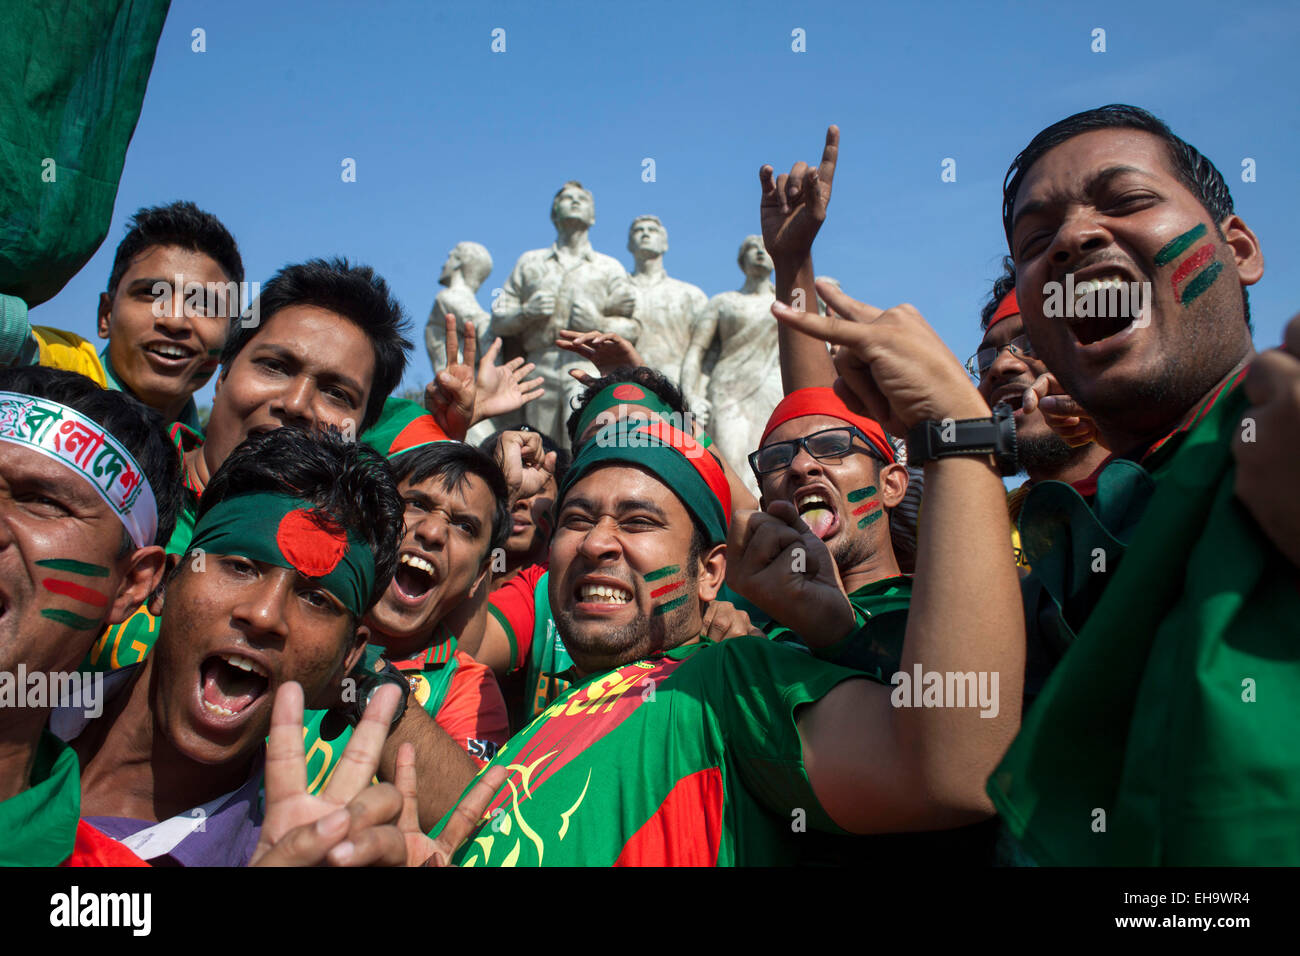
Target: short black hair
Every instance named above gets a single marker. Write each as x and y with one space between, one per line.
1001 286
641 375
1201 177
349 481
453 462
563 458
357 293
139 428
180 224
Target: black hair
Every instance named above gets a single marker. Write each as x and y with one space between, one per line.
1201 177
349 481
139 428
453 462
180 224
641 375
563 458
357 293
1001 286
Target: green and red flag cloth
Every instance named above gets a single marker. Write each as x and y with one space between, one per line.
692 757
403 426
677 459
1174 711
522 606
823 401
289 532
85 447
624 393
41 826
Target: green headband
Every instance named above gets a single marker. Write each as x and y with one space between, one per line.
290 533
623 393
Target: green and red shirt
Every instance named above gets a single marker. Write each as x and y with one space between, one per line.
458 692
691 757
522 606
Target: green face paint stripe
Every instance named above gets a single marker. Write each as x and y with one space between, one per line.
1201 283
70 619
862 493
870 519
212 353
669 605
663 572
75 567
1177 247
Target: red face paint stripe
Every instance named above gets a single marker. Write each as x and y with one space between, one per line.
1189 265
869 506
75 591
666 588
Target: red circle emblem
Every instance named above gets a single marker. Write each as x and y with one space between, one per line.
313 544
628 393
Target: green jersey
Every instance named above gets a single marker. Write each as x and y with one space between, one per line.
688 758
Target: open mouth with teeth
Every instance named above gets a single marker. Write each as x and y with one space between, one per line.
1112 304
414 579
172 354
230 684
603 595
818 513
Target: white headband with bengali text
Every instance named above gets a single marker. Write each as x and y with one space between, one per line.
85 447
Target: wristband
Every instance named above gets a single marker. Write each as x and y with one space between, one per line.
996 436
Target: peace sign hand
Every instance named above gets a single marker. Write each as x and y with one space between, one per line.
451 396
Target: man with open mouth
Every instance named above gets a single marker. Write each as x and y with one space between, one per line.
455 500
1164 583
163 344
77 550
296 539
327 350
675 750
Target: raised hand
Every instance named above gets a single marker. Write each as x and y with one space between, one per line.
793 205
606 350
525 464
421 850
450 397
776 562
723 620
893 366
539 305
1062 413
351 822
501 389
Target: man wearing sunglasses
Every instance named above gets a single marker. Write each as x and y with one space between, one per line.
1005 367
839 471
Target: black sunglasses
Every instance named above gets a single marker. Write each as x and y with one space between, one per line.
831 443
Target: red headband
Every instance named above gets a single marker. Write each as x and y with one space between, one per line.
824 401
698 456
1006 308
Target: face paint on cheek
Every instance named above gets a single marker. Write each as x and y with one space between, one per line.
77 592
869 512
860 493
1200 266
670 594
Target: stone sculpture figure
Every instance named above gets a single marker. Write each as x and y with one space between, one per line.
746 382
665 307
467 266
567 285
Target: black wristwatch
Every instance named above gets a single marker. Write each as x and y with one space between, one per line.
348 713
994 436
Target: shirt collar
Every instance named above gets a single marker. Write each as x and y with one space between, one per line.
431 658
189 414
586 255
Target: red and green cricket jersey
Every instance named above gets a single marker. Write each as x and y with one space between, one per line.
688 758
41 825
458 692
130 642
876 647
523 608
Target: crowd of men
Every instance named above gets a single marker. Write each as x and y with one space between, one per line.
321 628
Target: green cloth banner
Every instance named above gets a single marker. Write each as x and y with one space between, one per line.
73 81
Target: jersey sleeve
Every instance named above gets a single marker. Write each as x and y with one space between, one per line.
59 349
515 610
473 711
754 691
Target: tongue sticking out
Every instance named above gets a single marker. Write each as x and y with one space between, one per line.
819 520
229 689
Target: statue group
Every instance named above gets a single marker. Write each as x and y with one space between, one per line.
721 351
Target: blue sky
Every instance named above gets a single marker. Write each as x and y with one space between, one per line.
455 142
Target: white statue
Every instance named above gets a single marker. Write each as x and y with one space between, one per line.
568 285
467 265
746 382
665 306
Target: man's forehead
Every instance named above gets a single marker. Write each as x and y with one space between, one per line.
19 464
615 486
1080 158
469 492
1004 331
804 425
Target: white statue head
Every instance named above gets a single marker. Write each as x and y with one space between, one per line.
471 260
753 258
647 237
573 202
